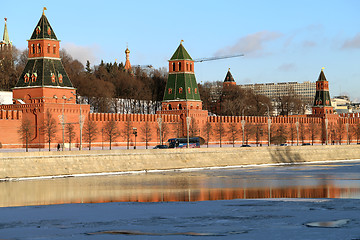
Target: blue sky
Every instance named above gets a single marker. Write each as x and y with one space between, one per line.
282 40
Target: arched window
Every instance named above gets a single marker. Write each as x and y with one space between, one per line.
170 108
39 48
180 107
173 66
179 66
48 48
54 49
187 66
190 67
33 48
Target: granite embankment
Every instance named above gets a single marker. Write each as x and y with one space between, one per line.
39 164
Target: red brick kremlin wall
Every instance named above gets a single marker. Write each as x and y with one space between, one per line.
10 121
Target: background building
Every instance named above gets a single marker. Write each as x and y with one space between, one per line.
305 90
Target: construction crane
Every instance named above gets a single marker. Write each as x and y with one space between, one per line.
218 58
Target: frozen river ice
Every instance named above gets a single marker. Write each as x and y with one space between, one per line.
285 202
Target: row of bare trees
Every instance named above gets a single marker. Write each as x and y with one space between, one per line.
281 133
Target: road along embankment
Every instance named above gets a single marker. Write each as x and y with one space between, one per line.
42 164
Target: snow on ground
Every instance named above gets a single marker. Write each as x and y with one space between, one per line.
228 219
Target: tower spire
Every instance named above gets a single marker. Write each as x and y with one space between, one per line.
6 39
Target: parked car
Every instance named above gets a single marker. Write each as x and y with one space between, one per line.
245 145
305 144
283 144
161 147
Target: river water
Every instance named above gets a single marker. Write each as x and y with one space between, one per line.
313 201
330 180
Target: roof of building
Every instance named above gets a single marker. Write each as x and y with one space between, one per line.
181 54
44 72
43 30
322 76
229 77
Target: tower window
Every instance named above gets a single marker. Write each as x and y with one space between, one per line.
48 48
39 48
190 67
187 66
173 66
33 48
179 66
54 49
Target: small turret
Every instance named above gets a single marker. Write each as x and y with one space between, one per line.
127 62
322 101
229 80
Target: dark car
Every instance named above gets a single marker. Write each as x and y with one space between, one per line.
305 144
245 145
283 144
161 147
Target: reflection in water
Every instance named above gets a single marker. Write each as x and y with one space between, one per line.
182 186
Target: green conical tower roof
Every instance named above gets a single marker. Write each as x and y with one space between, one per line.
181 54
43 30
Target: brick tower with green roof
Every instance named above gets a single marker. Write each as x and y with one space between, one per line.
44 86
322 101
44 71
181 94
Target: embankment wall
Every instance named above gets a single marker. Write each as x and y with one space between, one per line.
38 164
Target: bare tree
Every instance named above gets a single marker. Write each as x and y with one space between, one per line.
279 136
207 130
111 131
233 132
219 131
302 132
146 133
314 131
340 130
258 133
357 132
49 128
69 129
193 128
164 131
292 133
90 131
25 132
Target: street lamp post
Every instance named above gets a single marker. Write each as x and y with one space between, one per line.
159 120
188 119
243 131
297 133
39 137
326 128
347 130
81 122
269 121
135 134
62 119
